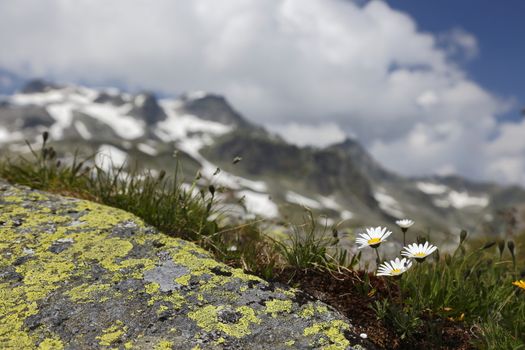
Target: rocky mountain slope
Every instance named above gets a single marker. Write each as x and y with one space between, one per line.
274 179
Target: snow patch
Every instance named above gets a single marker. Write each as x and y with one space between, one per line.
259 203
63 115
296 198
177 126
6 136
388 204
40 99
139 100
191 134
346 215
109 157
463 199
431 188
123 125
83 130
330 203
147 149
195 95
460 200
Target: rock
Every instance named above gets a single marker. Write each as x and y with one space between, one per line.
99 278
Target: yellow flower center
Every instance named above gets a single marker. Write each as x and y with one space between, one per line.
420 254
396 271
373 241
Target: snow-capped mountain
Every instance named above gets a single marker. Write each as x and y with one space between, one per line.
274 178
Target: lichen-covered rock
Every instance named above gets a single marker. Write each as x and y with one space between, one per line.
78 275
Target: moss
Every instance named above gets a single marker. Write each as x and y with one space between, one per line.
332 332
276 306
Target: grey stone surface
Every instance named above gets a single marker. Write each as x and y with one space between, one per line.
78 275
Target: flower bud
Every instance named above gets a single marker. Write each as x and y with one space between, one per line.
462 236
488 245
510 245
501 247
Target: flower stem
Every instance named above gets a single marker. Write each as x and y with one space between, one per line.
378 260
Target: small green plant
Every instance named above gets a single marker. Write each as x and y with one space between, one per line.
469 286
405 321
311 247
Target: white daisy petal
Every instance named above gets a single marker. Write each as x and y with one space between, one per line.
373 237
418 251
394 267
405 223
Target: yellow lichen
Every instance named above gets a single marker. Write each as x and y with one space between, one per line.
174 298
161 309
85 292
308 311
289 343
322 309
329 332
152 288
183 280
276 306
207 319
112 334
51 344
164 345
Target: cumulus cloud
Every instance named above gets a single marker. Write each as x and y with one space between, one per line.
363 68
460 44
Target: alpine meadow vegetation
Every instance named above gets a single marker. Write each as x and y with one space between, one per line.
471 297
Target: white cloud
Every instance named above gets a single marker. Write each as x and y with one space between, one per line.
364 67
460 43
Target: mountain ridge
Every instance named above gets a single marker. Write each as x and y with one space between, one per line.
274 178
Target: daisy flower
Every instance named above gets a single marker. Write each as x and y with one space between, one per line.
373 237
405 223
520 283
394 267
418 251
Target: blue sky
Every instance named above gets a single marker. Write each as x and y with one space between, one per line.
499 27
427 86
